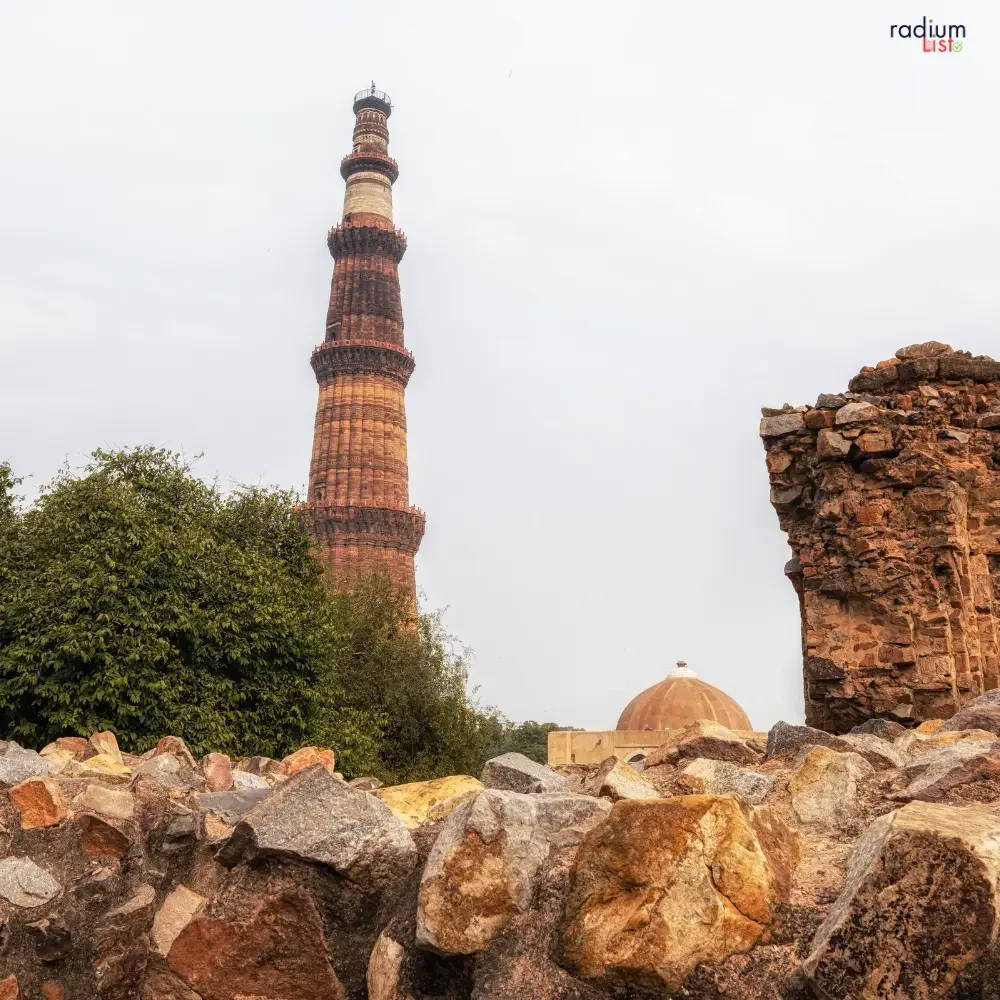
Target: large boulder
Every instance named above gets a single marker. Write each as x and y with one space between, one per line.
785 739
918 914
662 887
419 801
930 777
18 764
980 713
317 818
824 789
481 870
616 780
277 951
706 739
720 777
513 772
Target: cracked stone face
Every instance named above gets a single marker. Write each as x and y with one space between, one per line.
663 886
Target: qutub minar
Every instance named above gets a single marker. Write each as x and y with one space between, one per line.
358 506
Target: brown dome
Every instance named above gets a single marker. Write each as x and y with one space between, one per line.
678 700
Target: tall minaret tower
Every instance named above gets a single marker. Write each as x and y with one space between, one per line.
358 506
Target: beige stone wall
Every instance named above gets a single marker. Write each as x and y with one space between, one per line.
569 747
368 191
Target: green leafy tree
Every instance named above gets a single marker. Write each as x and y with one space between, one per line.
140 599
135 597
404 668
530 738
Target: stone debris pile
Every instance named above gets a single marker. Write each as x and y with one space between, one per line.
803 866
890 496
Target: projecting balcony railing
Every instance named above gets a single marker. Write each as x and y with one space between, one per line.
371 160
379 95
382 344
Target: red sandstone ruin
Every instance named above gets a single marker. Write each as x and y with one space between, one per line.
890 497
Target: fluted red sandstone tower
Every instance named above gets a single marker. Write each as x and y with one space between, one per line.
358 505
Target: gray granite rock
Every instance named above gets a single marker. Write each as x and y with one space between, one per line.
316 818
244 781
233 806
513 772
885 729
24 883
784 739
18 764
980 713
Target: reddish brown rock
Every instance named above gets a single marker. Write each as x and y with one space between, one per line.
218 771
305 756
39 803
176 746
76 745
893 517
52 991
275 953
100 839
8 988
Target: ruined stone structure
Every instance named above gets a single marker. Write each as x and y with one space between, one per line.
358 505
890 496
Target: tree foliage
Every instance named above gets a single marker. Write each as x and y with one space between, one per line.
135 597
140 599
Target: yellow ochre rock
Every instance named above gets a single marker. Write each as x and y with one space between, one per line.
419 801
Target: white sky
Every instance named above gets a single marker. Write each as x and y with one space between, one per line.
630 226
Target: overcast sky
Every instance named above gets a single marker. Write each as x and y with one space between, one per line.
630 226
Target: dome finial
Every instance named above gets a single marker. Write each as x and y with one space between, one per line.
682 670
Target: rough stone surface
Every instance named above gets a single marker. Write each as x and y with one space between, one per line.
176 912
24 883
217 769
419 801
897 541
277 952
824 789
714 891
244 780
304 757
664 886
314 817
113 802
931 776
513 772
702 739
617 780
720 777
18 764
481 870
918 911
39 803
980 713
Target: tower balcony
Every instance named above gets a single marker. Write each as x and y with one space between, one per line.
372 98
362 357
369 160
365 234
400 528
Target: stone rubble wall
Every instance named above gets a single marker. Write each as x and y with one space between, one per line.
890 497
803 866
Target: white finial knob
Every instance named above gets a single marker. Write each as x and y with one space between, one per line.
682 670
